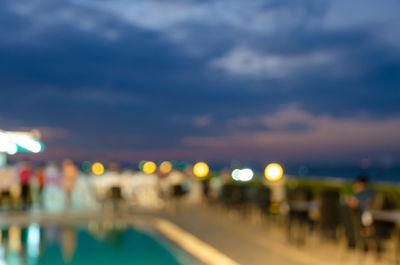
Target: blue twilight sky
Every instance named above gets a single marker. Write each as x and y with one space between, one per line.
292 80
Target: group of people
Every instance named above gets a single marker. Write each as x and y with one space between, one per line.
22 183
55 187
155 190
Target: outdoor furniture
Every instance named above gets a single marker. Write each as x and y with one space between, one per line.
263 199
300 202
372 235
385 218
329 213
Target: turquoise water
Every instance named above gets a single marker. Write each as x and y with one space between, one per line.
91 244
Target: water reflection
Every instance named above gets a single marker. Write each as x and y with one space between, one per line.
20 245
68 243
107 230
95 242
26 245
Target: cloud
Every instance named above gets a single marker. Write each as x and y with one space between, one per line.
105 97
180 21
341 13
252 16
48 133
326 135
108 71
244 61
202 121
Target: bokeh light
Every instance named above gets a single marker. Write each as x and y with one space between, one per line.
11 143
29 144
200 169
97 168
12 149
86 166
174 162
182 165
149 167
273 172
165 167
235 174
245 174
141 164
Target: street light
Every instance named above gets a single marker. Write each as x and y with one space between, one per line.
273 172
97 168
149 167
200 169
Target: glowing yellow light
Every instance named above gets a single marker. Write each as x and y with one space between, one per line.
97 168
149 167
200 169
165 167
273 172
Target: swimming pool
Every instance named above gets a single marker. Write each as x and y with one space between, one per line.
95 242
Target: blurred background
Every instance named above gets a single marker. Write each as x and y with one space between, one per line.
266 129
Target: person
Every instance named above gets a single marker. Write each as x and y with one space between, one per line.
40 175
25 174
361 200
7 176
53 194
69 171
172 188
193 187
40 181
356 204
115 189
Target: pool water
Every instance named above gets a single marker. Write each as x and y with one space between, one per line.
95 243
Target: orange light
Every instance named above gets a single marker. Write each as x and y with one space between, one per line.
165 167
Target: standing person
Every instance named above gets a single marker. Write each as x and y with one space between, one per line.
40 178
175 181
7 177
54 198
115 189
193 187
359 202
25 174
70 171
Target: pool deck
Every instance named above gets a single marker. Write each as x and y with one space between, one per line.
245 242
256 242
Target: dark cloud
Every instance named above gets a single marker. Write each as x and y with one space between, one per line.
115 79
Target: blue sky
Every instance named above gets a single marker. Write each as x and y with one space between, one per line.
291 80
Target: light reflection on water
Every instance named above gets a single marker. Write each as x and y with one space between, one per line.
97 242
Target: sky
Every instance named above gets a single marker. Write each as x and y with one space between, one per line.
262 80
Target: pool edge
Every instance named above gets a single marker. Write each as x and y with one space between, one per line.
192 244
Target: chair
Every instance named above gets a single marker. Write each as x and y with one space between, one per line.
298 219
329 213
382 230
263 199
